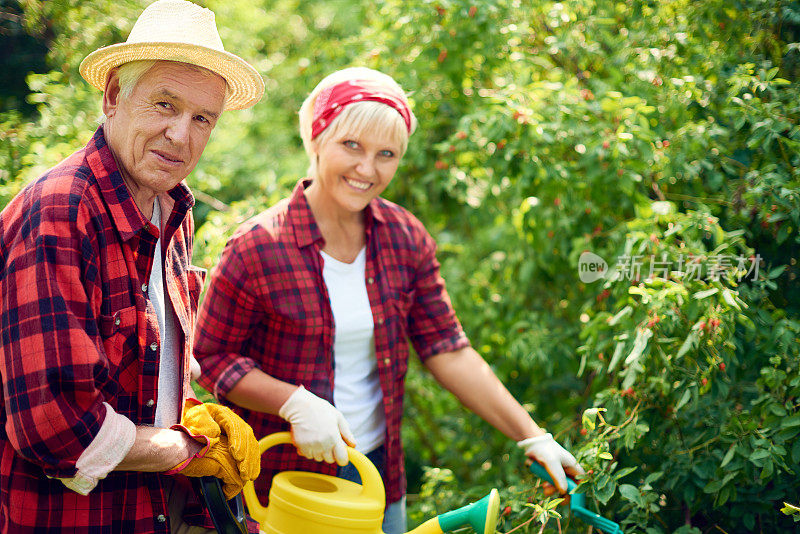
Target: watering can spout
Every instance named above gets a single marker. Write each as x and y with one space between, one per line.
312 503
480 515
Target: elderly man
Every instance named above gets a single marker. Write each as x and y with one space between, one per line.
98 299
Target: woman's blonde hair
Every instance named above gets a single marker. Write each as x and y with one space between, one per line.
361 120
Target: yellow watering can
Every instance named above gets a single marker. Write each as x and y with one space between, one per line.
301 502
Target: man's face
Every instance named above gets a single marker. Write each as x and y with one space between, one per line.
158 133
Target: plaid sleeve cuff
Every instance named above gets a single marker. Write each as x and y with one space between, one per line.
453 343
231 376
108 448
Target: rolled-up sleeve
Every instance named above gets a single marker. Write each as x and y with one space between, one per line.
224 324
51 354
432 323
104 453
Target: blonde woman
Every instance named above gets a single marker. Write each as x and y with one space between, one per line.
308 315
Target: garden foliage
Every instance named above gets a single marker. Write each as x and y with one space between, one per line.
662 135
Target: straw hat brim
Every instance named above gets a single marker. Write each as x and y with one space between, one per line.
245 84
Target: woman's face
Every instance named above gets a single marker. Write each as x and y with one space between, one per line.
352 171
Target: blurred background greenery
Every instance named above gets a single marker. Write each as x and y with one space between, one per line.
661 129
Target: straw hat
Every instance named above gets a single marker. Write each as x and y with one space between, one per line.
177 30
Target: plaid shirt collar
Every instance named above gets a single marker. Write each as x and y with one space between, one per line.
306 229
125 215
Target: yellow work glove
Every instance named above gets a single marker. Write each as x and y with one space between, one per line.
241 440
231 452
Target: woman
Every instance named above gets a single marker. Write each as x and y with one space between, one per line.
308 315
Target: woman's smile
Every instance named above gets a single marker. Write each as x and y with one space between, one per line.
357 184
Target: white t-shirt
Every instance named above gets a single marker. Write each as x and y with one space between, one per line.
357 391
168 376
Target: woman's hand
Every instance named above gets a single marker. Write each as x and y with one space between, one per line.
319 430
553 457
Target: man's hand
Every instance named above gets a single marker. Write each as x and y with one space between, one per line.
553 457
231 452
319 430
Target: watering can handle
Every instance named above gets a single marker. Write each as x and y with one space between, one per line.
371 483
539 470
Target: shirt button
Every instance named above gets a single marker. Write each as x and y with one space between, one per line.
387 361
116 321
380 320
144 288
161 518
153 346
151 403
370 280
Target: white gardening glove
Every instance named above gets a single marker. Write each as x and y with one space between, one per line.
319 430
553 457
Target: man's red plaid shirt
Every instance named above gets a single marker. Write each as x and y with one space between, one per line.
78 330
267 306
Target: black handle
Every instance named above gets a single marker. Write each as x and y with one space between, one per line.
228 515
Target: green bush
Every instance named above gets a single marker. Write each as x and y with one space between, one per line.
663 134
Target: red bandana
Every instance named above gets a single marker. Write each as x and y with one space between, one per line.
332 100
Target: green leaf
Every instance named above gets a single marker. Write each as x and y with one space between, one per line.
796 451
624 472
713 487
631 493
590 417
706 293
643 335
687 394
729 299
729 455
725 495
689 343
790 422
605 493
627 310
790 509
617 356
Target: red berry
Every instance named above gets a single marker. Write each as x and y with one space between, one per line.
440 164
501 143
441 10
606 144
722 366
452 148
442 56
506 511
461 135
472 11
704 381
583 431
665 143
557 201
